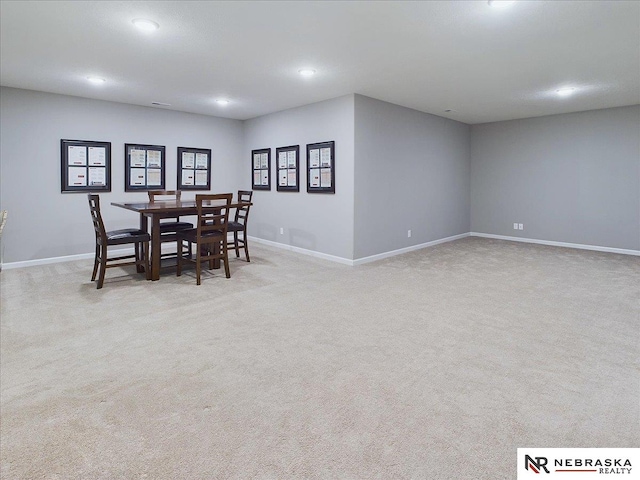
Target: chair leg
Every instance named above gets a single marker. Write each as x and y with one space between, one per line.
180 248
225 258
179 269
198 263
235 244
95 263
226 266
139 256
147 264
246 248
103 266
210 251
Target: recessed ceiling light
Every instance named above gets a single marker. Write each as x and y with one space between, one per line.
500 3
145 25
96 80
565 92
307 72
222 101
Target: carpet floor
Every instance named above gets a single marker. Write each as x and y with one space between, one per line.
435 364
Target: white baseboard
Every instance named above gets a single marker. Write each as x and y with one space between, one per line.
359 261
400 251
580 246
66 258
304 251
344 261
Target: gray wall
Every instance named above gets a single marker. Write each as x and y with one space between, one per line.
568 178
318 222
44 223
411 173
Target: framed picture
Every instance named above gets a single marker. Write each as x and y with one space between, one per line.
321 168
144 167
287 167
85 166
261 169
194 168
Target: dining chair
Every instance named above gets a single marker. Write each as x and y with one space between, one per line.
170 228
104 239
239 224
210 235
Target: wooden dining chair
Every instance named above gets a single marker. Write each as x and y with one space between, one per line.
169 227
104 239
239 224
210 235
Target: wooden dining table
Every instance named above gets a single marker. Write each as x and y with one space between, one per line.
155 211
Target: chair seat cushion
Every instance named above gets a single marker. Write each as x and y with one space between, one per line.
127 235
192 234
167 227
235 227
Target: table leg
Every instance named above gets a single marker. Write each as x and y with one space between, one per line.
143 227
155 247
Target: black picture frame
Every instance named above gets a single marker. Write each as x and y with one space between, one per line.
85 166
321 167
190 168
288 168
140 162
261 172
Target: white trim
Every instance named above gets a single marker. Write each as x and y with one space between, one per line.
359 261
580 246
304 251
400 251
345 261
67 258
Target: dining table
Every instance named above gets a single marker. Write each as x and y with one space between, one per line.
156 211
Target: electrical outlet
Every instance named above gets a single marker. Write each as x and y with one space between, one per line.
520 226
515 226
281 231
408 233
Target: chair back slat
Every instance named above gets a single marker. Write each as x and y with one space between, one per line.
159 195
165 196
242 213
213 213
96 217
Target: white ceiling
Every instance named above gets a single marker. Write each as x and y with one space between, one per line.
485 63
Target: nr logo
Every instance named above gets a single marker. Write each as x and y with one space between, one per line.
537 465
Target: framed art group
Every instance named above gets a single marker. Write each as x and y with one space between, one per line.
288 172
85 166
261 169
194 168
320 168
144 167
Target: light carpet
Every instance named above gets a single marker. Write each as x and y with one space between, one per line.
436 364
